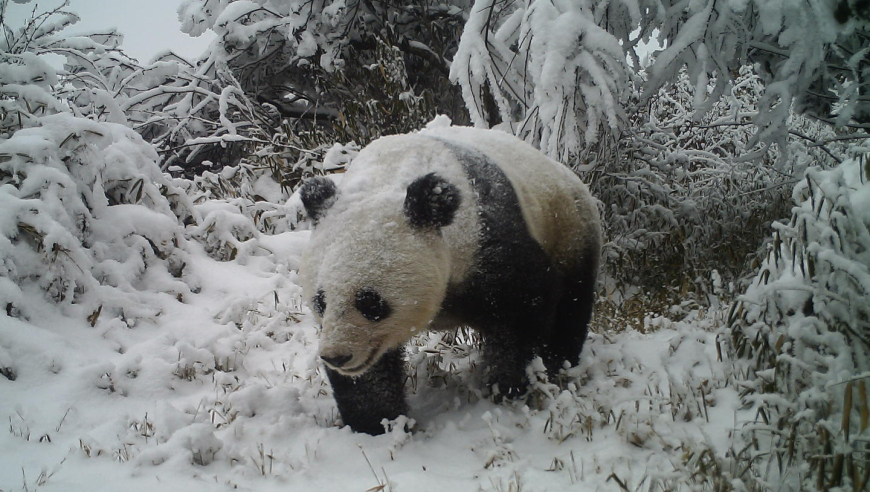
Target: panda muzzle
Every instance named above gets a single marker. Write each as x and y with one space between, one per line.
336 361
339 362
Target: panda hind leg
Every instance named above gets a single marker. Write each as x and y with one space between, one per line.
379 393
571 324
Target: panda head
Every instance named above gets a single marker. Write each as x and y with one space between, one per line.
376 268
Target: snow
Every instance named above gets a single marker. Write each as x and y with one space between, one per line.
692 32
224 391
161 413
170 348
153 333
28 69
234 11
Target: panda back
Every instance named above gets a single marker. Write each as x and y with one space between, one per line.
556 206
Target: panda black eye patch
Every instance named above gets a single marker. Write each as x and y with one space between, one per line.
371 305
319 302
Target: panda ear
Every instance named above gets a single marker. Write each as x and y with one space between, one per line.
431 202
317 194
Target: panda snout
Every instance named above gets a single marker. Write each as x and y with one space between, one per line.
336 361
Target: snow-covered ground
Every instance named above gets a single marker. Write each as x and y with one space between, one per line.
153 337
223 391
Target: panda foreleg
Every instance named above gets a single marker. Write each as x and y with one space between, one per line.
379 393
506 356
571 324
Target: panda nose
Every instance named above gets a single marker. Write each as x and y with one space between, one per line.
337 361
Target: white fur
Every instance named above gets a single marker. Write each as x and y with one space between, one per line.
364 239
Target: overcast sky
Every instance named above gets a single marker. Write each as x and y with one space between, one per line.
149 26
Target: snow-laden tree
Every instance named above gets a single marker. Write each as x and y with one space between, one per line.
331 70
283 80
281 50
558 70
169 101
88 221
548 68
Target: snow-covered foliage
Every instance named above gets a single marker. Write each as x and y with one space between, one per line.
260 189
812 52
558 71
89 223
237 205
327 68
312 31
683 198
804 325
87 216
550 67
98 81
27 81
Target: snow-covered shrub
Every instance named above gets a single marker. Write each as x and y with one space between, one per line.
96 79
88 220
246 195
239 203
27 82
170 101
86 214
24 74
811 54
803 326
684 197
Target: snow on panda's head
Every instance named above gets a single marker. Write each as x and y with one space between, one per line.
376 268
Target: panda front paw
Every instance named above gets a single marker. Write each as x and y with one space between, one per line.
508 389
370 426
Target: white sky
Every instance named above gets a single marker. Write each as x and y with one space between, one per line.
149 26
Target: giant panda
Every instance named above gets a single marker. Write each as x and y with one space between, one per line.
447 227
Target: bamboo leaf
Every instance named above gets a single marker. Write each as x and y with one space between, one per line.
865 411
779 343
92 318
847 410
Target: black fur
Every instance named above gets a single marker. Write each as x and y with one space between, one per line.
431 202
379 393
573 314
317 195
371 305
319 302
520 301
